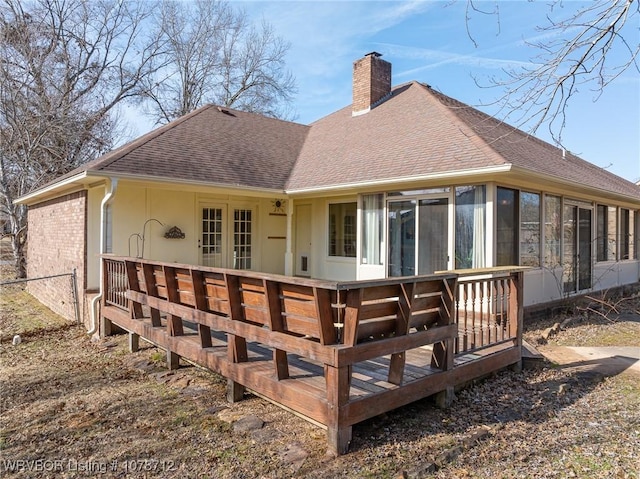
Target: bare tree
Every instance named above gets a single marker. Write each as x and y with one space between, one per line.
587 49
65 66
213 54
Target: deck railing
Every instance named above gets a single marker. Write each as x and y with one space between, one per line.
335 352
115 281
488 304
488 308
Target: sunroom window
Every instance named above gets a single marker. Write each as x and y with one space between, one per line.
636 237
529 229
470 227
606 233
552 230
372 229
517 228
506 221
626 234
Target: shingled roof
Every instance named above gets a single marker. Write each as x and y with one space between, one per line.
213 145
415 132
419 132
530 153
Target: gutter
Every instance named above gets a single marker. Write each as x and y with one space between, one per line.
112 186
25 199
447 175
581 188
197 184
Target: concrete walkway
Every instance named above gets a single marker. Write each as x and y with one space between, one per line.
606 360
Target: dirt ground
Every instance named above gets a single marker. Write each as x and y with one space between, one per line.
73 407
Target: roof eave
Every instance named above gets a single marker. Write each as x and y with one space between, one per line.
52 188
577 187
197 184
397 182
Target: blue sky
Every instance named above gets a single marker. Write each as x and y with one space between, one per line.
428 42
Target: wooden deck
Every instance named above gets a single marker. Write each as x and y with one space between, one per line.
335 352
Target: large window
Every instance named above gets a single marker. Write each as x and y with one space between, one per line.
470 227
529 229
636 237
607 240
506 221
612 233
517 228
602 222
552 230
342 229
372 229
626 235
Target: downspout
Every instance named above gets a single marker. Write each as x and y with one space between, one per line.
112 186
288 254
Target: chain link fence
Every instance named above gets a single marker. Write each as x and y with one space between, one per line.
59 292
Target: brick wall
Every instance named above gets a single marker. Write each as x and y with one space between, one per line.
57 245
371 81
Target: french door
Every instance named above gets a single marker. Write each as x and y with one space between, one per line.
219 230
417 232
212 242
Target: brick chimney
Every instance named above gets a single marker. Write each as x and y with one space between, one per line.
371 82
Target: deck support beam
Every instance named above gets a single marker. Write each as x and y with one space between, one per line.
173 360
235 391
134 342
106 328
338 385
445 397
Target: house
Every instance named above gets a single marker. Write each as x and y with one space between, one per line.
404 181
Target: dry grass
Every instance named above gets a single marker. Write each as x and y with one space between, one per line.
615 322
92 409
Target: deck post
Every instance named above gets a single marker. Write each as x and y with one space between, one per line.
174 323
445 397
443 352
398 360
272 293
134 342
106 328
338 385
173 360
152 290
236 345
199 296
516 312
235 391
134 285
105 324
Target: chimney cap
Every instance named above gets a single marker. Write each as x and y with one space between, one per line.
373 54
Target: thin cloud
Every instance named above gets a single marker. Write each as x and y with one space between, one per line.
438 58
